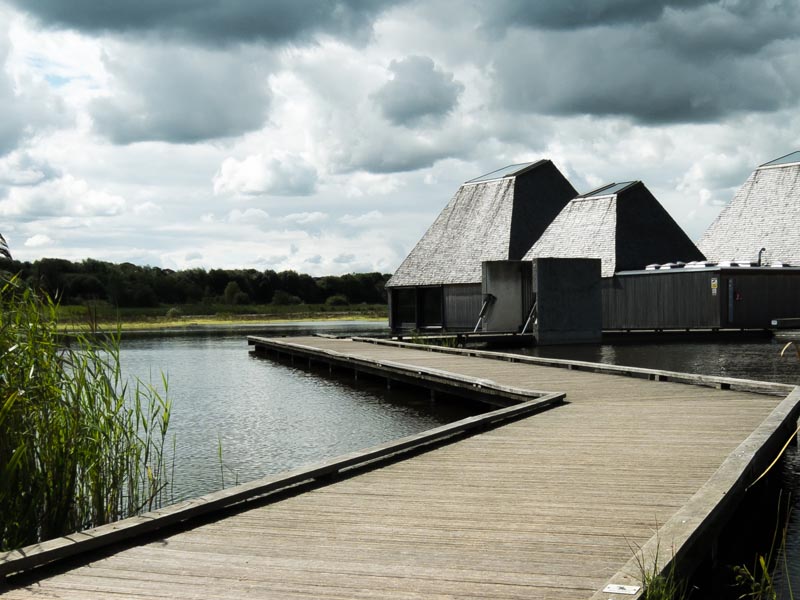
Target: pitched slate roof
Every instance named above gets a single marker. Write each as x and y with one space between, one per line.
764 213
622 224
493 217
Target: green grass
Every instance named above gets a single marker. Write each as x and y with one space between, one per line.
103 314
80 446
658 583
443 341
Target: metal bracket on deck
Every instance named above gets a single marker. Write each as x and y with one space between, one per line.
627 590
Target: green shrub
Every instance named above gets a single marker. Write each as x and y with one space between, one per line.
234 294
337 300
79 448
283 298
174 313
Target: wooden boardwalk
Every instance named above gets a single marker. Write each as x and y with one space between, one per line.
548 506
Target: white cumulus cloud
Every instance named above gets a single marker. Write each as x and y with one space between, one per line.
38 240
66 196
279 174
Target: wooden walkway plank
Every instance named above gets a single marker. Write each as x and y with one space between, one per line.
548 506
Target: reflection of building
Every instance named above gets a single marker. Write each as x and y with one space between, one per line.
622 224
764 213
494 217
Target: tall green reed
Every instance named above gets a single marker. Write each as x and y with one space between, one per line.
770 576
658 583
79 446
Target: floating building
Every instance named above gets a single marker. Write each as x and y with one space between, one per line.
497 216
623 227
622 224
746 281
762 223
518 251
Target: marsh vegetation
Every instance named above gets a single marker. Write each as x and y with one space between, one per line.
79 445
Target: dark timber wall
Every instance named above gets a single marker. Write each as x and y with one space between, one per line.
755 297
711 298
662 300
462 303
451 307
568 294
741 298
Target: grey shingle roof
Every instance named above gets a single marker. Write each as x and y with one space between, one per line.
496 219
627 230
764 213
584 229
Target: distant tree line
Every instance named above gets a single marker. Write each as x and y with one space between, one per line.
129 285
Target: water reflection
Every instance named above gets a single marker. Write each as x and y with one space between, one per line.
757 359
268 416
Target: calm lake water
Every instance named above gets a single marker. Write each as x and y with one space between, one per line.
270 417
267 416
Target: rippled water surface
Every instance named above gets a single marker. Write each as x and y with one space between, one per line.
756 359
268 416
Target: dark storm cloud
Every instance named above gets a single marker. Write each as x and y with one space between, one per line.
181 95
418 92
210 21
690 65
721 30
574 14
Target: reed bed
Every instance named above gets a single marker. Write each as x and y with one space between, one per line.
79 446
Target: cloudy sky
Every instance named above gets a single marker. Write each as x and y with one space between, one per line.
325 136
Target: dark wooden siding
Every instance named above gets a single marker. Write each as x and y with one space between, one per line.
429 306
462 303
528 297
404 308
754 298
676 300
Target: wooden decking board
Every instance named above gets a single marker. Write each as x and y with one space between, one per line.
549 506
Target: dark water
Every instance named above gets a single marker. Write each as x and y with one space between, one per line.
755 359
269 417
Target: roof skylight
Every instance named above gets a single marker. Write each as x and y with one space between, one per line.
508 171
608 190
789 159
